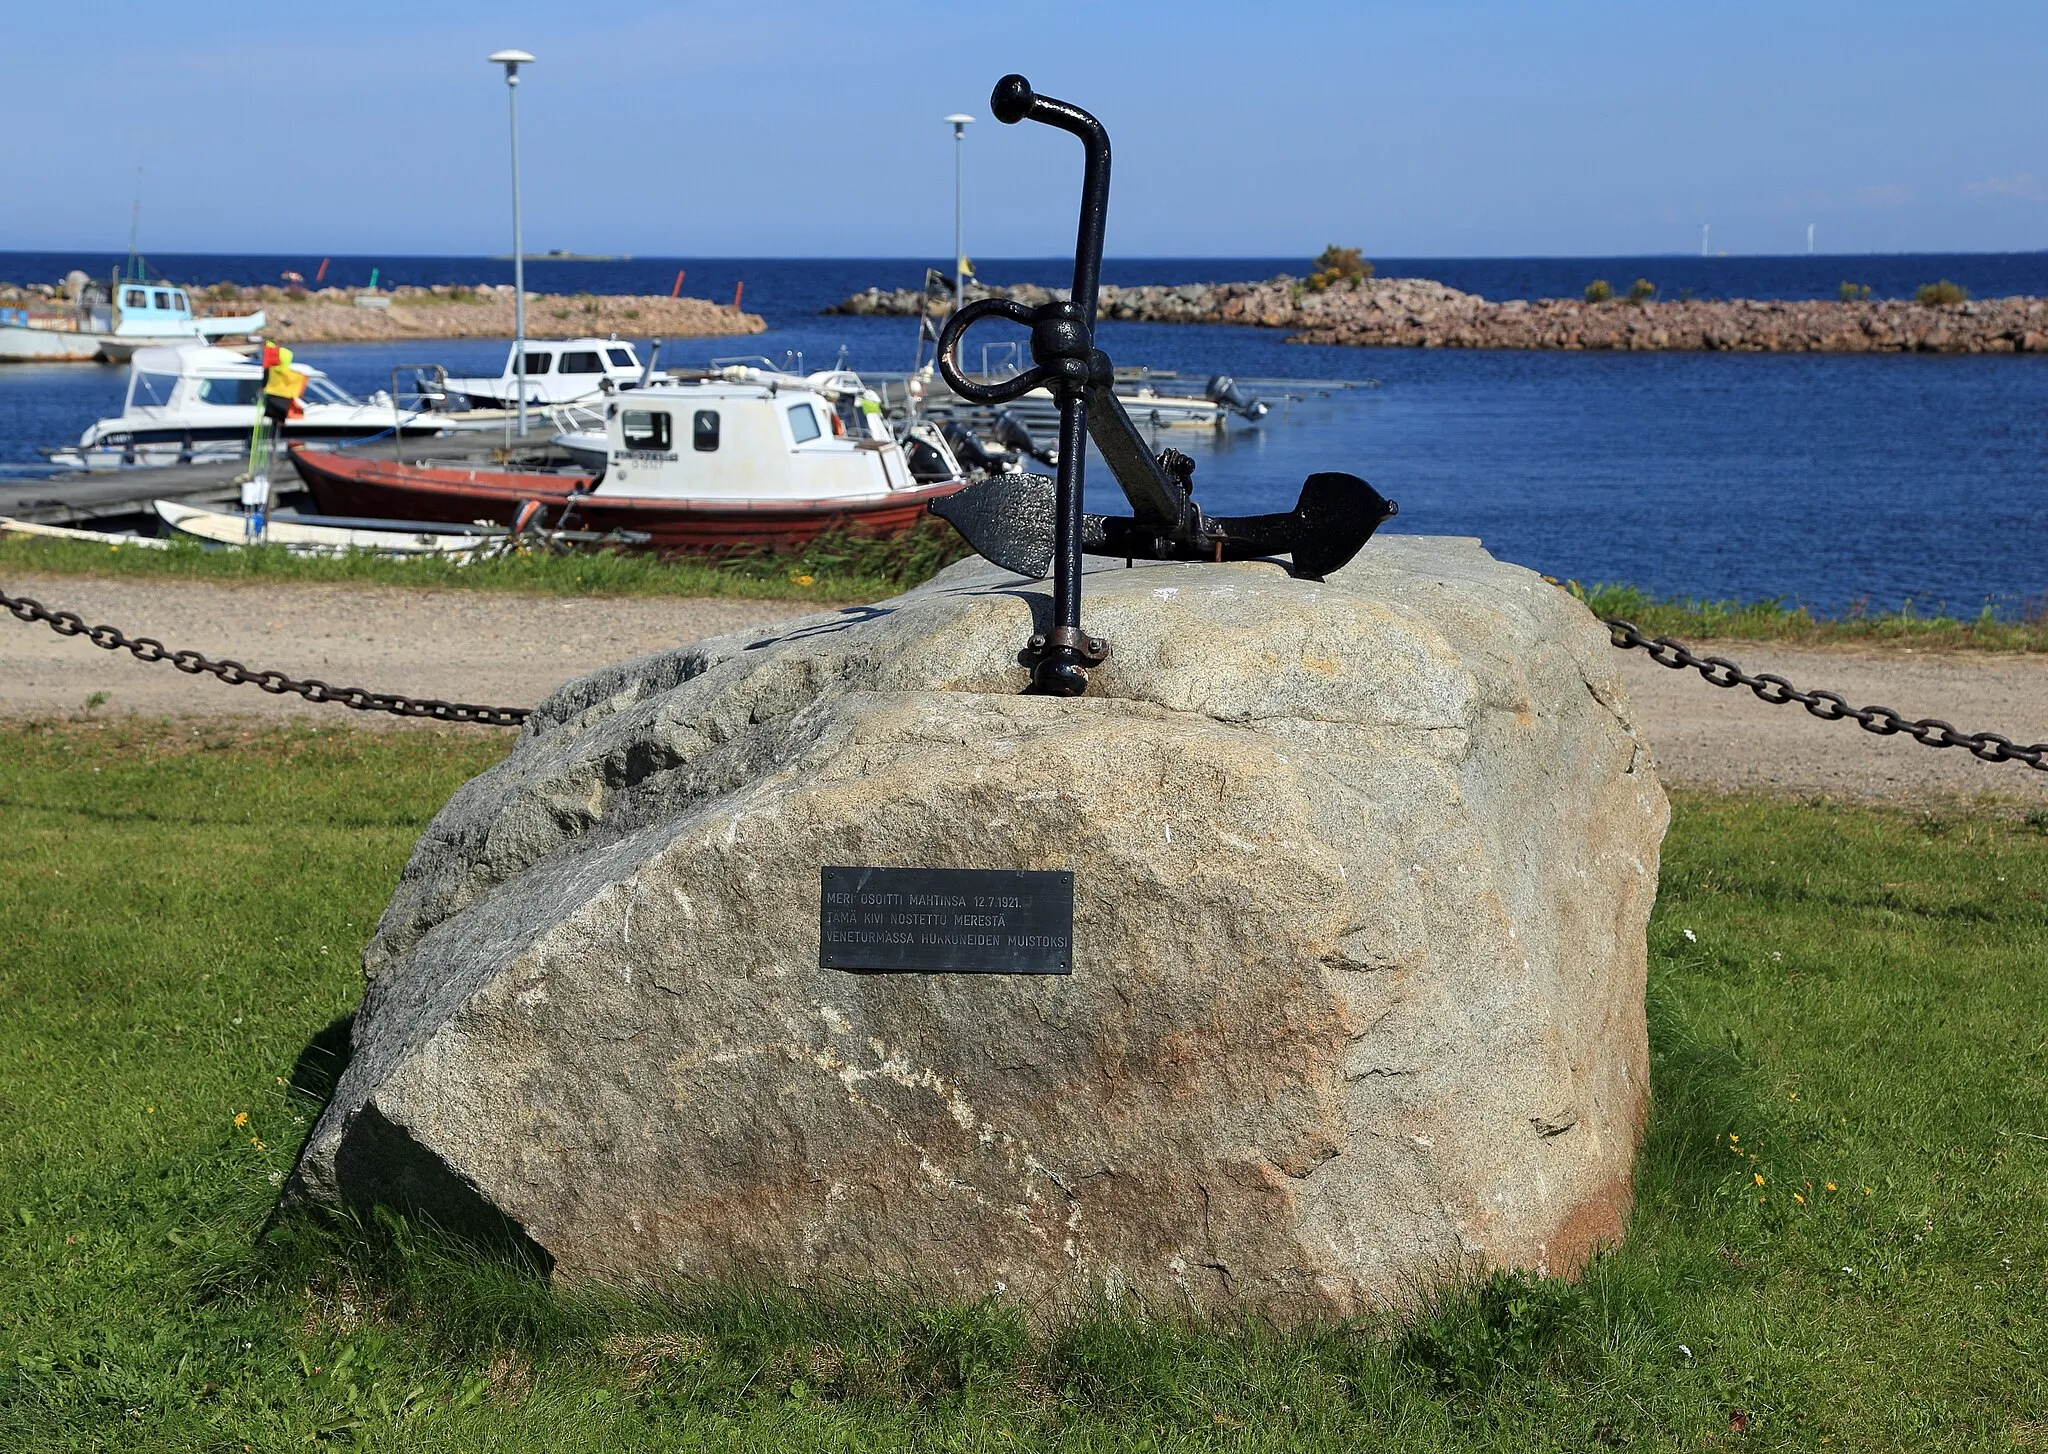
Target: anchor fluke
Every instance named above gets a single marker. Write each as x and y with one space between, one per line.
1008 519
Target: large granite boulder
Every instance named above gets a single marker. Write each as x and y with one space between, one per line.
1362 870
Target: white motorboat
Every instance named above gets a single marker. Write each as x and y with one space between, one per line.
110 327
739 459
558 371
586 438
196 403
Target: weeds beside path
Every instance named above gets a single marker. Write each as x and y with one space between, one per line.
835 568
1841 1235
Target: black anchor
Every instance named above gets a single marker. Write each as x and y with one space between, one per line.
1026 525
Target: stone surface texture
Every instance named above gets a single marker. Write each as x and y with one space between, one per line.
1363 869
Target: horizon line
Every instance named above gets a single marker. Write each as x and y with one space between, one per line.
1020 257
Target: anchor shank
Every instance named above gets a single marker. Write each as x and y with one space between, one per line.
1066 545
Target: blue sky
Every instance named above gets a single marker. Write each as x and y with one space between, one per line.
799 129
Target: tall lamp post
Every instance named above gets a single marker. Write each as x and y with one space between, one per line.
959 121
512 60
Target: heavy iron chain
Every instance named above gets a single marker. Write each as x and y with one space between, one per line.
1718 670
1828 706
145 648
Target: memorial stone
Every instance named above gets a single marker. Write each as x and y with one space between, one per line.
1360 876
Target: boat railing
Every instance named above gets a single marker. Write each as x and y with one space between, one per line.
429 389
575 418
792 362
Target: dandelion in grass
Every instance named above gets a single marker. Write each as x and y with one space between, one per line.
241 1119
1798 1198
1759 1178
1831 1186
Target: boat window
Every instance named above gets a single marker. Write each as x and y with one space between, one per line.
704 430
644 428
134 298
152 390
803 423
163 300
582 363
537 363
326 391
622 358
232 392
179 303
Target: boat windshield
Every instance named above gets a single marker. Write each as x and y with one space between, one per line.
326 391
151 391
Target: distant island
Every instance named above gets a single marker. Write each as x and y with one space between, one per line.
562 255
1372 312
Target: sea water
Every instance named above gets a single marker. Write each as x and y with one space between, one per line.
1828 480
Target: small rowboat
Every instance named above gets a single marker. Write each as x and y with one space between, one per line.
64 532
318 535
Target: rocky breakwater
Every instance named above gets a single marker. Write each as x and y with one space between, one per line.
1362 870
346 315
1418 313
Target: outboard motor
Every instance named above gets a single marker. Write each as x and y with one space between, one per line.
927 465
971 452
1223 390
1014 435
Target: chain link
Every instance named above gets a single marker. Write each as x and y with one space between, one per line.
1828 706
1718 670
193 663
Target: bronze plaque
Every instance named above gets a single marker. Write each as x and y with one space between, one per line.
946 920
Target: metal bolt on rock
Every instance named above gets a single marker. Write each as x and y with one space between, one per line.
1030 525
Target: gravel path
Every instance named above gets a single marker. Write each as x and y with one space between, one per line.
463 646
511 650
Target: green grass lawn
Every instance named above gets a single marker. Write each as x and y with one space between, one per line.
1841 1236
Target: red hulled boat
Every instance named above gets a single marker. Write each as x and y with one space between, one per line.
344 484
742 460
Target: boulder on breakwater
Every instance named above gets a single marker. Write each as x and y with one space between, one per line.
1362 871
1418 313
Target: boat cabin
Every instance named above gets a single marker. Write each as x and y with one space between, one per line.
722 439
175 380
558 371
152 310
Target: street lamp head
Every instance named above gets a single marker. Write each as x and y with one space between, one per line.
511 60
959 121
